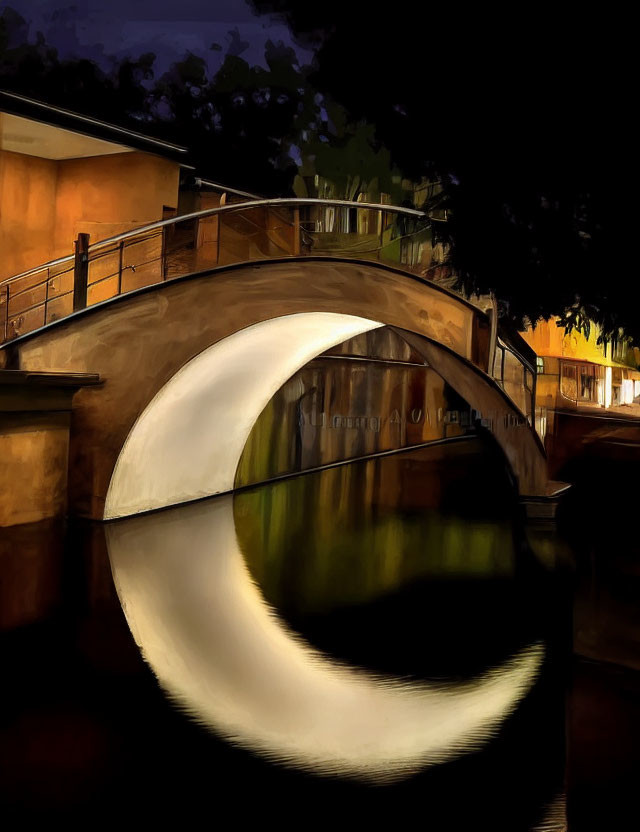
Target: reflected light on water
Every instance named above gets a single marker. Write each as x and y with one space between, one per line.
223 654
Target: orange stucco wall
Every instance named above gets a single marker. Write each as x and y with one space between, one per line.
549 340
27 211
44 204
546 339
33 474
105 195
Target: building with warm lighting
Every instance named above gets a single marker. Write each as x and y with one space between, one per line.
62 174
576 375
575 371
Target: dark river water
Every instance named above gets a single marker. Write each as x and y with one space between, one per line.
379 642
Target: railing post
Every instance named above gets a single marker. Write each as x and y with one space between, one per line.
81 272
223 201
534 385
46 297
296 232
6 316
120 261
163 253
493 336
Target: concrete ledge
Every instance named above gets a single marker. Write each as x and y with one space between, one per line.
543 508
35 417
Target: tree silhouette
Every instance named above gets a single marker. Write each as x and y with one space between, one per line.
525 123
527 120
252 127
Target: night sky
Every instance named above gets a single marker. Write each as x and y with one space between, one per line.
169 28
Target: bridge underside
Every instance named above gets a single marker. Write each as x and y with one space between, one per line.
139 342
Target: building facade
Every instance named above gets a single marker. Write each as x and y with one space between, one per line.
62 174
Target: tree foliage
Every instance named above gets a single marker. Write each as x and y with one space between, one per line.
253 127
525 116
526 122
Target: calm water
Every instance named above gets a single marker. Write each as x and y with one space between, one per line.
378 641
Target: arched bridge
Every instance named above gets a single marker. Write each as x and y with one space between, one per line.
194 323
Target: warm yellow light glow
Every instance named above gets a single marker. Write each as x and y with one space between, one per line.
223 654
608 389
626 392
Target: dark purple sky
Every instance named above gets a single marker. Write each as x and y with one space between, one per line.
98 28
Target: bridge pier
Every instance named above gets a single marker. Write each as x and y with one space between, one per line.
178 320
542 508
35 422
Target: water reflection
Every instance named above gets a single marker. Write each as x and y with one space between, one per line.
31 570
446 593
231 660
349 534
369 394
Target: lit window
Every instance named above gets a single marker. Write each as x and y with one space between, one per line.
540 364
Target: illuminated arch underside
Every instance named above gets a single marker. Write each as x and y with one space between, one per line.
188 442
202 624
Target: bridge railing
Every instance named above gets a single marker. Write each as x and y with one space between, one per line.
246 231
239 232
517 377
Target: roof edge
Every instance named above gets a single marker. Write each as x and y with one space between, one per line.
25 107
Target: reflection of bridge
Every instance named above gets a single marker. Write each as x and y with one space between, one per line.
222 306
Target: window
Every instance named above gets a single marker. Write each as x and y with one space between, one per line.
540 364
568 382
587 382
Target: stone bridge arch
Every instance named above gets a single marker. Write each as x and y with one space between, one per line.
138 342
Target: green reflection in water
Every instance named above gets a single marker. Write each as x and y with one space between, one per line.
351 534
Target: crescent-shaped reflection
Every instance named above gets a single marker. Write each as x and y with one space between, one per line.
202 624
223 654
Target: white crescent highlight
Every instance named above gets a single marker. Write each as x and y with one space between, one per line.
215 645
222 654
188 442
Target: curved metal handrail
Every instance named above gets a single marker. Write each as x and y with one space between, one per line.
221 209
224 189
167 252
